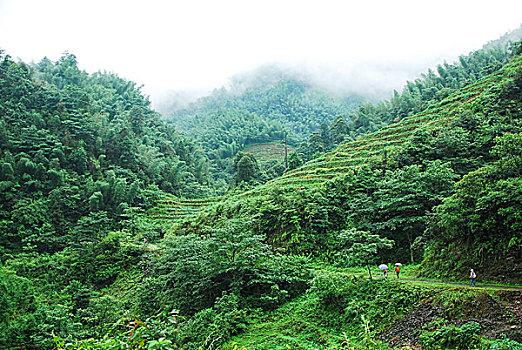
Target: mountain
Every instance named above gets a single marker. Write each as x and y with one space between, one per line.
267 105
80 156
112 235
276 102
287 101
392 182
280 264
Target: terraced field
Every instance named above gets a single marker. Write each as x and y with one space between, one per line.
368 149
268 152
372 148
172 211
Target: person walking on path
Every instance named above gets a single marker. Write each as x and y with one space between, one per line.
397 270
472 276
385 273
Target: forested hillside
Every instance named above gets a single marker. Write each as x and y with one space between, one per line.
270 105
266 268
273 103
389 183
434 86
81 156
430 88
76 147
112 236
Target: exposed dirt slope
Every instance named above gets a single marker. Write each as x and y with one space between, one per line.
498 312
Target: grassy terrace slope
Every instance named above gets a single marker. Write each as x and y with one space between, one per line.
371 149
268 152
171 210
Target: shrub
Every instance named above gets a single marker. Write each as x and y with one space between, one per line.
451 337
504 344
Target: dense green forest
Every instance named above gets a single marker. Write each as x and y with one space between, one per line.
390 182
113 235
271 105
81 157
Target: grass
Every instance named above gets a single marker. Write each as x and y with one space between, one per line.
337 312
464 283
292 326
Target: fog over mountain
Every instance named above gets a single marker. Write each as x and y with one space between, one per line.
372 80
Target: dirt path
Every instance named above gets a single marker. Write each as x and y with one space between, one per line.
478 285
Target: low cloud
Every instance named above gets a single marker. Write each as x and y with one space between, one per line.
372 80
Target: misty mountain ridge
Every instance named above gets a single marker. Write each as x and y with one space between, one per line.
372 80
342 80
271 102
299 103
368 81
292 94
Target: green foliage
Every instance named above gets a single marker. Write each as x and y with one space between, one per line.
210 327
20 317
337 312
83 159
258 111
157 332
74 143
361 247
344 299
451 336
388 183
400 203
504 344
196 270
246 167
294 160
330 136
484 213
79 155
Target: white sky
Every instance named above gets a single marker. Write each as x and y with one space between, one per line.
195 44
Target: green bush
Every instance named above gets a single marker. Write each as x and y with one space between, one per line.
343 299
451 337
504 344
157 332
212 326
195 270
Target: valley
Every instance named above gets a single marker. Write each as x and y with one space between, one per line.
251 218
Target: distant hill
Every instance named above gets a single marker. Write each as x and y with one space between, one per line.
265 106
269 102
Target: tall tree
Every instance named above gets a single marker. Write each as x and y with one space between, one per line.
362 247
246 167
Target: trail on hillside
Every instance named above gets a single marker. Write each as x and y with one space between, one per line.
478 285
